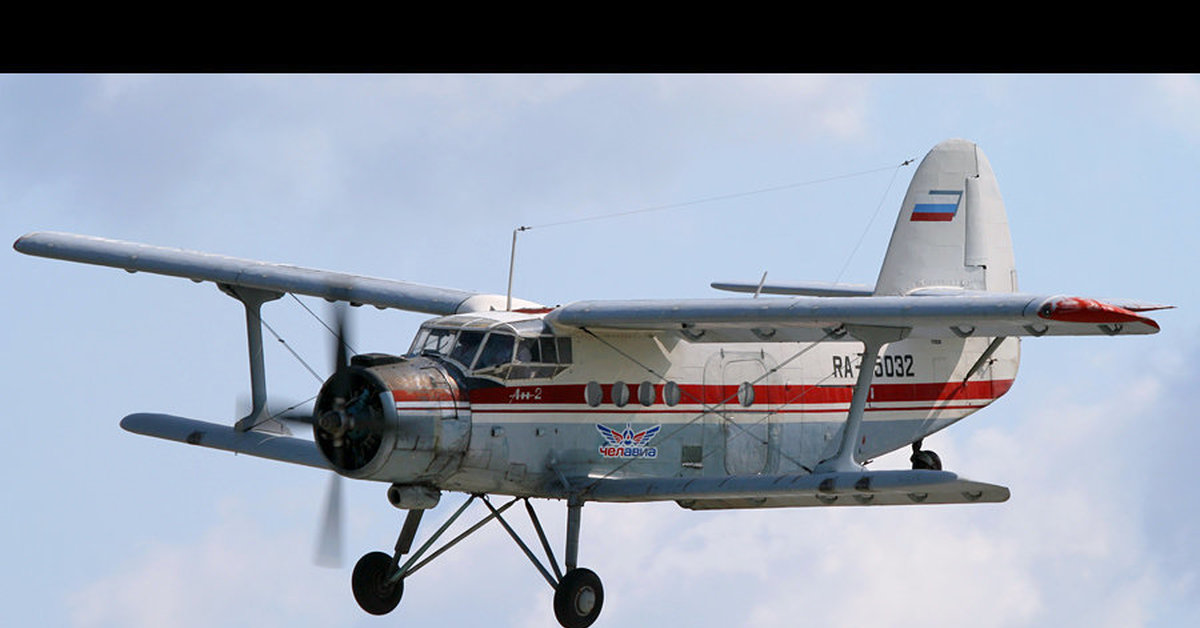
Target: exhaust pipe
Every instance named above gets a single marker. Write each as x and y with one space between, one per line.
413 497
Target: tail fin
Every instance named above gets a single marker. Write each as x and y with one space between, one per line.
952 231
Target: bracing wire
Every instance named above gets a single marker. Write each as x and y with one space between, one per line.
870 222
711 199
708 199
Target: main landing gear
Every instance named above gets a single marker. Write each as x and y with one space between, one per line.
924 459
378 579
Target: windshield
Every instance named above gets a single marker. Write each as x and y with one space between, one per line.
497 351
467 346
499 354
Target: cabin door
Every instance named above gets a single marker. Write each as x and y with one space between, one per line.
737 393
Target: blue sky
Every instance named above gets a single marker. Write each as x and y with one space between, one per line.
424 177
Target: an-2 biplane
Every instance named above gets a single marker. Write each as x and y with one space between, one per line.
740 402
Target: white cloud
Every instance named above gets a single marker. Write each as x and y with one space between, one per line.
757 107
232 576
1179 96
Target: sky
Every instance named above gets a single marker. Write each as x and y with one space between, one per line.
424 178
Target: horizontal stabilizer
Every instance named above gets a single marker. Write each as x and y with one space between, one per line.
867 488
797 288
224 437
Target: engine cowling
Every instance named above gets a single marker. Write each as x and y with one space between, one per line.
392 418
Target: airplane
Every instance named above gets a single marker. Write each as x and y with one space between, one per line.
774 400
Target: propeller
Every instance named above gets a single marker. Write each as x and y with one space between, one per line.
334 422
337 422
329 543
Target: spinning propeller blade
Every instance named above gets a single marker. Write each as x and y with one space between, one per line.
329 541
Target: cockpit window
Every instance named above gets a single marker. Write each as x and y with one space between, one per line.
539 357
418 342
439 341
563 345
498 354
527 350
468 345
497 351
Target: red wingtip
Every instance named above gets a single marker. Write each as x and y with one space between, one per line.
1081 310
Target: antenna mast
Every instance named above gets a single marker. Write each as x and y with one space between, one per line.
512 258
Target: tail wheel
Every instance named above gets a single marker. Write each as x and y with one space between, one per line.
578 598
371 582
925 459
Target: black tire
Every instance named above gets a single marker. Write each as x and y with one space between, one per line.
578 598
926 460
370 583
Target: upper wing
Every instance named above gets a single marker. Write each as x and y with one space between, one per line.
812 318
132 256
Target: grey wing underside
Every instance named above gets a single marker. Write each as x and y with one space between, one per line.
226 438
866 488
232 271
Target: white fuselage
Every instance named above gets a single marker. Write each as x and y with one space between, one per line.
659 404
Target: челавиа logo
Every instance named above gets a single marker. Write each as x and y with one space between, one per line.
627 443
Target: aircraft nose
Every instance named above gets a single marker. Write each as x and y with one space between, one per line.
390 417
351 419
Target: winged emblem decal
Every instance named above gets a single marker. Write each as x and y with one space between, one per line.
627 443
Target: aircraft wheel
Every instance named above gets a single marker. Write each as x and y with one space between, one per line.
925 459
578 598
370 583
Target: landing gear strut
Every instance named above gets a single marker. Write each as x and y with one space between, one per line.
378 579
924 459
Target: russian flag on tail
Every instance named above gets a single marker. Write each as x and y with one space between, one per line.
937 206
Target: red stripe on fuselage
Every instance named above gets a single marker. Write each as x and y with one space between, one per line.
764 395
428 394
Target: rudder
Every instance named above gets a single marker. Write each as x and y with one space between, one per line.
952 231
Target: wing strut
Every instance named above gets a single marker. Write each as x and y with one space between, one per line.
983 359
873 339
252 299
